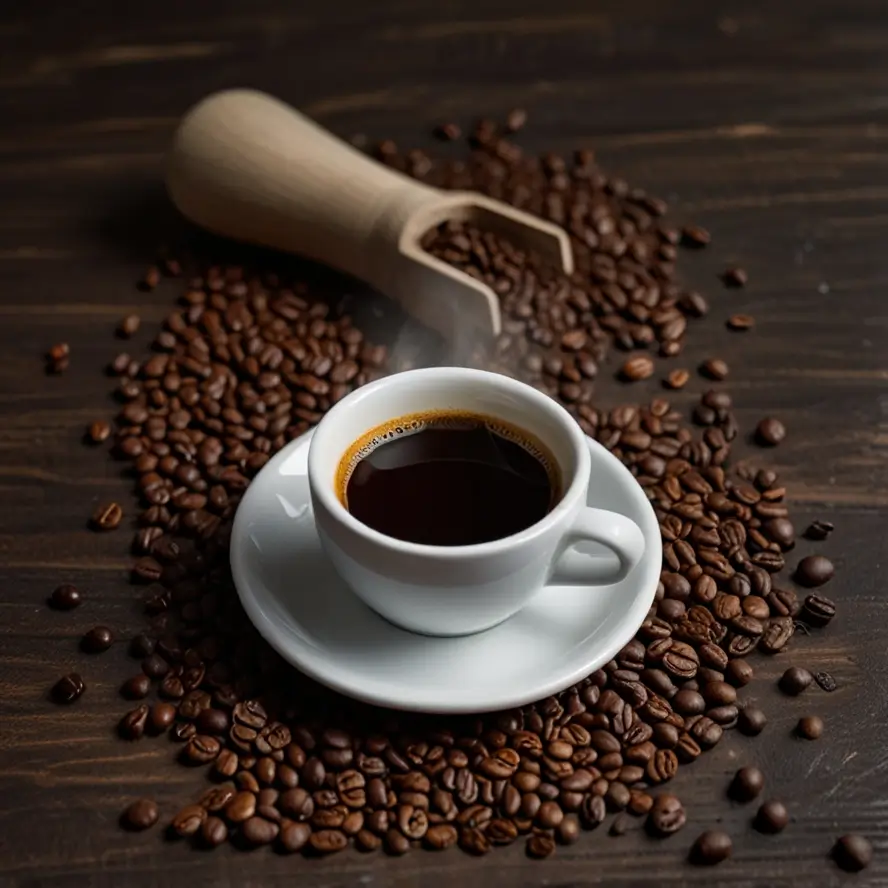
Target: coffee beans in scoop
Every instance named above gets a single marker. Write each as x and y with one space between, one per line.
250 358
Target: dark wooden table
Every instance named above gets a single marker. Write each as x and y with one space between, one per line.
765 121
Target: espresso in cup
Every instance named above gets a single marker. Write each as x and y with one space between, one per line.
448 478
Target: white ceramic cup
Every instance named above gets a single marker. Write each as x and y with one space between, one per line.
458 590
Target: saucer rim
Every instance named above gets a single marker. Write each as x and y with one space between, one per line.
298 654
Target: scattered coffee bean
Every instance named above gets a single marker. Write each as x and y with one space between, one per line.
147 570
795 680
98 431
129 326
771 817
741 322
151 279
817 610
141 814
448 132
677 379
714 368
770 432
748 782
58 358
68 688
137 687
107 517
695 236
620 826
214 832
97 640
825 681
711 847
65 597
819 530
636 369
853 853
735 277
189 820
810 727
516 120
667 816
814 570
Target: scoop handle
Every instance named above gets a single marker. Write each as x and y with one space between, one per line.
249 167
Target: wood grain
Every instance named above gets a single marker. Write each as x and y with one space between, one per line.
765 122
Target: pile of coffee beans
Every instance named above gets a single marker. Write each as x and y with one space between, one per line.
250 359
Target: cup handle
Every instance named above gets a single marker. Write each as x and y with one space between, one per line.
617 532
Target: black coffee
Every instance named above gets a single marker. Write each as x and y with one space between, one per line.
448 479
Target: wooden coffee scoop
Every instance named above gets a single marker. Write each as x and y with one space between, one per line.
249 167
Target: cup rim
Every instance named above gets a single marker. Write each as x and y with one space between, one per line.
577 487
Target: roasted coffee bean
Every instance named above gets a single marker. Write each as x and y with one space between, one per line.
817 611
711 848
741 322
853 853
155 667
819 530
65 597
202 749
795 680
141 814
129 326
259 831
189 820
735 277
473 841
132 725
677 379
98 431
68 688
825 681
695 236
667 816
714 368
814 570
777 633
751 721
748 782
568 831
442 836
107 516
293 836
771 817
161 716
97 640
328 841
141 646
214 832
637 369
810 727
620 826
770 432
137 687
540 846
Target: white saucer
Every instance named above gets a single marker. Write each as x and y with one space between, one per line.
298 603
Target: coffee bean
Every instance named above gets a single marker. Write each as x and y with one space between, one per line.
293 836
441 837
214 832
259 831
741 322
810 727
825 681
637 369
141 646
593 811
137 687
817 610
65 597
141 814
853 853
97 640
98 431
748 782
68 688
819 530
448 132
770 432
620 826
160 718
781 531
667 816
155 667
132 725
677 379
189 820
739 673
795 680
734 277
814 570
714 368
695 236
147 570
328 841
776 635
129 326
107 517
516 120
771 817
540 846
711 848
